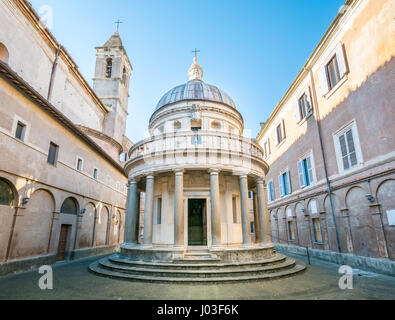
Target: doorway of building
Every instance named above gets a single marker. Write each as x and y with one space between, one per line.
64 235
197 224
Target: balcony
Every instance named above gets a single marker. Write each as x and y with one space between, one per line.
202 149
198 141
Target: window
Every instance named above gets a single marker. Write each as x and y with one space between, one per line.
53 153
317 230
333 69
124 76
159 211
196 140
216 125
234 208
20 131
280 132
95 173
108 68
347 148
270 191
305 172
284 181
266 148
252 227
304 107
250 195
6 194
177 125
291 230
123 157
79 164
333 73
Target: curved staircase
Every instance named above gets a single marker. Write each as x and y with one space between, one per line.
197 267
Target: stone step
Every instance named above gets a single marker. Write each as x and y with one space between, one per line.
202 272
198 264
95 268
198 259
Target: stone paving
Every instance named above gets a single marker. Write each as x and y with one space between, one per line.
74 281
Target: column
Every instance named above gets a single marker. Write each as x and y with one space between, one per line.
245 219
179 208
149 210
257 221
215 208
131 217
264 219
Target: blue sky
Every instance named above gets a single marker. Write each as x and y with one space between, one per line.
251 49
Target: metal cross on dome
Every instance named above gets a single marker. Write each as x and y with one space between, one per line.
196 52
118 23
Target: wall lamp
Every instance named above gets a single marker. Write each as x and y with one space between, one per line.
83 211
370 198
25 201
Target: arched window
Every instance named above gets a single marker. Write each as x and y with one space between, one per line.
124 76
3 53
6 194
216 125
123 157
69 206
108 68
177 125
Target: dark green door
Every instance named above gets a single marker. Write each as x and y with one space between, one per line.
197 222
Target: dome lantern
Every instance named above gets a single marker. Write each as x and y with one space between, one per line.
195 71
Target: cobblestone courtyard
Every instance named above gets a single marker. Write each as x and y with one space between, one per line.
319 281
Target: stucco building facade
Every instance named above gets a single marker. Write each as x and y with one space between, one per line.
62 184
330 143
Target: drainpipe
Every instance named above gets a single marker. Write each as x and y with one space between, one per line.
53 72
328 183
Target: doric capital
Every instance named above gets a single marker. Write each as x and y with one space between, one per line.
214 171
179 171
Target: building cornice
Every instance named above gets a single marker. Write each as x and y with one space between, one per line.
21 85
27 10
308 65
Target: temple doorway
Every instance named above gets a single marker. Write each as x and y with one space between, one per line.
197 222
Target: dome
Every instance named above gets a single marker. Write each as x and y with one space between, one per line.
195 90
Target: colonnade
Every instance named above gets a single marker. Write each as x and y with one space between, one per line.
262 222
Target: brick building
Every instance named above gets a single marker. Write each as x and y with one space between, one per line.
330 142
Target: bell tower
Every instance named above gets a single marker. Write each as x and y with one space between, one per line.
111 84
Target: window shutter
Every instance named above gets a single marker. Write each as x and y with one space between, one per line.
268 146
308 96
324 87
302 180
351 148
341 60
344 152
283 128
289 189
310 169
275 135
281 184
271 191
298 116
